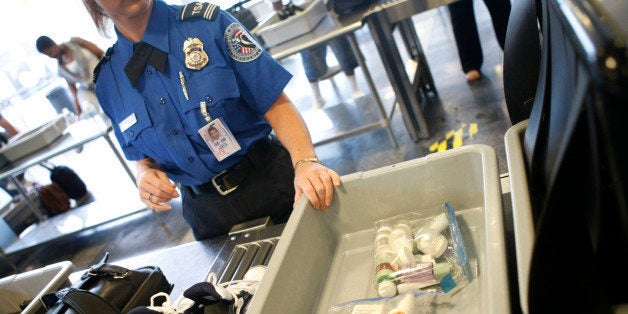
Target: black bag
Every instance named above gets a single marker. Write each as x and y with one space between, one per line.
67 180
346 7
107 288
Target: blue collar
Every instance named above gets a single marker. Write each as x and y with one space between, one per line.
156 32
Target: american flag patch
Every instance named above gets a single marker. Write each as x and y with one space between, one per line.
242 46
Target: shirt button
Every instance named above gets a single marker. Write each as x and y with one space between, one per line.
149 70
191 159
175 132
209 99
131 133
162 100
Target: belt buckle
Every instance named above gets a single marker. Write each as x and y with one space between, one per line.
219 188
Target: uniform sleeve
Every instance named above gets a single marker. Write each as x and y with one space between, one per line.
261 79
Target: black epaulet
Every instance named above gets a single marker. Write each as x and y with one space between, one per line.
205 10
102 62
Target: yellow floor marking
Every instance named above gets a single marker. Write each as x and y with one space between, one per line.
473 129
457 138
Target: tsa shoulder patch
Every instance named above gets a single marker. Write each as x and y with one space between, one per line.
205 10
242 46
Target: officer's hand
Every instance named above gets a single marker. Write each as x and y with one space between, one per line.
316 182
155 188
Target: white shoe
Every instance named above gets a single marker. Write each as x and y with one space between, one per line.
180 305
241 291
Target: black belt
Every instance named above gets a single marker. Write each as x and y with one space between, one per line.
229 180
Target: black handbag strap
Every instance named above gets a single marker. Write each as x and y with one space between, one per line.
102 269
81 301
106 270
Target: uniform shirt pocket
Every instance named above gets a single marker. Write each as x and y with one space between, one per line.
138 134
217 88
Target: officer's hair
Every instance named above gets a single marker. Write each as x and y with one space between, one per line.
98 15
43 43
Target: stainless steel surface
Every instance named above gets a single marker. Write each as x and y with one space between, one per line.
397 11
331 28
380 20
245 256
245 250
409 104
274 31
251 225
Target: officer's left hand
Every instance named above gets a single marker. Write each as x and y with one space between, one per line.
317 183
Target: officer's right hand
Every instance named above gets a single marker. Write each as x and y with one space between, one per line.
155 188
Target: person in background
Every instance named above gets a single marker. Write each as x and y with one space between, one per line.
76 59
315 59
316 68
176 71
466 32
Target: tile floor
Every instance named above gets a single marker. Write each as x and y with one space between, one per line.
458 106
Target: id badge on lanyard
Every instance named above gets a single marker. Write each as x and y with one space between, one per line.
217 136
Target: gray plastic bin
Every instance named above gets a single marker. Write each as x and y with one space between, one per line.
326 258
521 207
60 98
275 31
32 285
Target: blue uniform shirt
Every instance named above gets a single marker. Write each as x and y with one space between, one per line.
239 84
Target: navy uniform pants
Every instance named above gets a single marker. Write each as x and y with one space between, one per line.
267 190
466 32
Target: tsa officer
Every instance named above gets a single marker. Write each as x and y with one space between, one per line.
176 71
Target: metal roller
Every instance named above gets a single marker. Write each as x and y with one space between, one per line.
232 263
245 263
